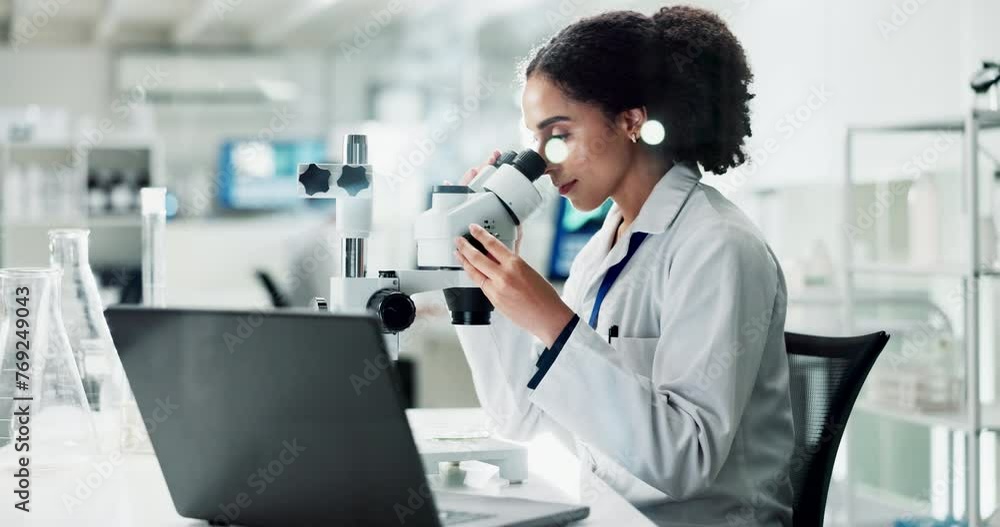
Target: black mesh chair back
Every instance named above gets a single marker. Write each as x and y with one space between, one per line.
826 375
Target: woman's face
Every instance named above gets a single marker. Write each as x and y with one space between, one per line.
596 151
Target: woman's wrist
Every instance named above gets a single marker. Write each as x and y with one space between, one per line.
555 324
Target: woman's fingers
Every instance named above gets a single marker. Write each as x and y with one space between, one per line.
469 175
477 277
472 172
495 247
480 261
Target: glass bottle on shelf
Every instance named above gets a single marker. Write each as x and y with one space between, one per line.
121 195
925 372
43 406
924 219
34 181
89 336
97 192
68 193
14 192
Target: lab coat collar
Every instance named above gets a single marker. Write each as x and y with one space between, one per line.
664 202
662 206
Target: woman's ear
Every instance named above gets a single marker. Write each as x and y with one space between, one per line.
631 121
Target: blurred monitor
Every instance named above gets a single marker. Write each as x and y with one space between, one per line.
573 230
256 175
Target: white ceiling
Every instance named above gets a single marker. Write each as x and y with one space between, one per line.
257 23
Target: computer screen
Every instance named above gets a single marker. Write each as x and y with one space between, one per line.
573 230
257 174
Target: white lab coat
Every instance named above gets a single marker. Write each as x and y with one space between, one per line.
687 414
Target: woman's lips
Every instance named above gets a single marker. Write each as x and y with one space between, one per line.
565 188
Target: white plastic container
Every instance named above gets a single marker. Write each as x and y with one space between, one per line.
13 193
924 221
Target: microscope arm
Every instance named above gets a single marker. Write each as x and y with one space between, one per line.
413 281
387 297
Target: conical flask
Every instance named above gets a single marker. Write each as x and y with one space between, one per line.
89 337
44 415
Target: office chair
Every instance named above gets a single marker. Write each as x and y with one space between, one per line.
826 375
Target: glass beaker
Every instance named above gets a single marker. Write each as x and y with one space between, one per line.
89 337
44 414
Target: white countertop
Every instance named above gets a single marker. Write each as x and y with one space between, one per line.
133 492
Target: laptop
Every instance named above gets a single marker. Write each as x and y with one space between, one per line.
289 418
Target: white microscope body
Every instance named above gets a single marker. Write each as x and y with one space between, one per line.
498 199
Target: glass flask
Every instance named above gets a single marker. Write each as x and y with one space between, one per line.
89 337
924 371
44 414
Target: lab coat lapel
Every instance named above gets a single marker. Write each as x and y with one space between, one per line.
594 255
656 215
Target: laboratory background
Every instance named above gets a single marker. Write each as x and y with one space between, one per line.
873 172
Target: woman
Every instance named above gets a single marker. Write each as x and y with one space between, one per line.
663 362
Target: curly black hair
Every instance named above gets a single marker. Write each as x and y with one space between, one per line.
682 64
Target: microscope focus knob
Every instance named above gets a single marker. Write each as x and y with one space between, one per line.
315 180
394 309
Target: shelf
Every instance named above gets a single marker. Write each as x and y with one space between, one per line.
989 271
125 143
133 220
77 222
987 119
49 223
942 125
945 419
967 125
989 418
816 298
891 326
944 270
40 145
116 143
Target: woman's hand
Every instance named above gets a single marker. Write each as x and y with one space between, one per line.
471 173
516 289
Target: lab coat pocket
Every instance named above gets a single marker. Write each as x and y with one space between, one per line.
636 354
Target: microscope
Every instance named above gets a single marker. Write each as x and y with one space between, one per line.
500 197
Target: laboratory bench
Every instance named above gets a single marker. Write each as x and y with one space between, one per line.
133 492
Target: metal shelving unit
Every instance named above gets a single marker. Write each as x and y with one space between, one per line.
977 418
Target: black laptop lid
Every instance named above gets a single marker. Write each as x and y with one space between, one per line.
273 418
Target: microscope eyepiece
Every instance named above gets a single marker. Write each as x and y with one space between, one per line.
529 163
506 158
